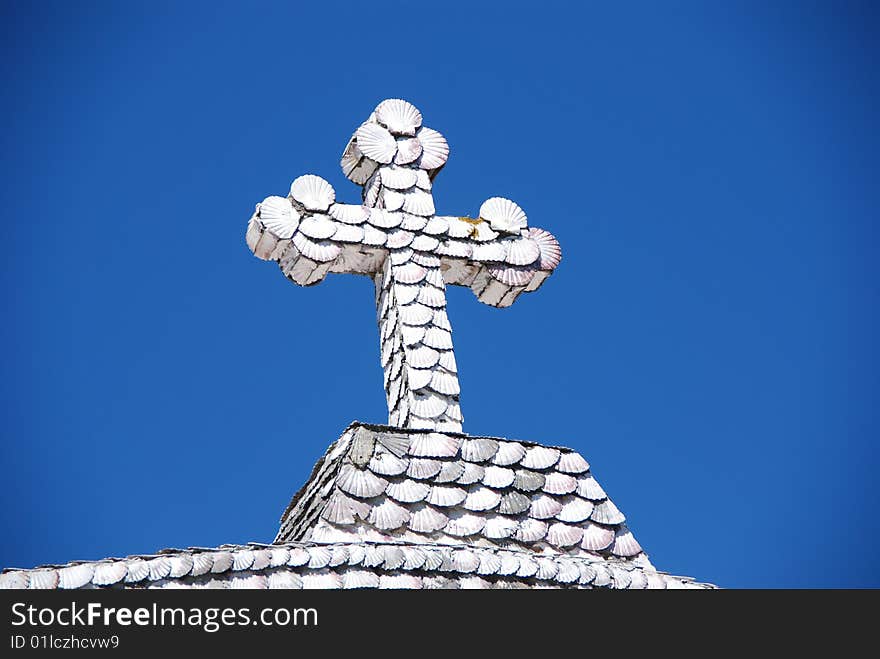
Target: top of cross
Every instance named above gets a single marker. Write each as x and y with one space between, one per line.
395 237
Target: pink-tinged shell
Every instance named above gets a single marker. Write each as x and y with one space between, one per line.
523 251
398 116
531 530
625 544
418 202
436 226
317 227
427 519
408 491
455 248
575 509
313 192
435 149
557 483
413 222
410 273
544 507
278 216
388 515
509 453
376 143
481 498
510 275
322 251
572 463
423 468
589 488
498 477
359 482
408 150
445 383
415 313
397 178
499 527
445 496
551 252
563 535
540 457
503 215
607 513
434 445
384 219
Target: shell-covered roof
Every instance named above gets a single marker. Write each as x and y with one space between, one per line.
380 483
297 565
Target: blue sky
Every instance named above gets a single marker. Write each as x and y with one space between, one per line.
708 343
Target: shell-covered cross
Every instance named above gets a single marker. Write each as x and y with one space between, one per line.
411 253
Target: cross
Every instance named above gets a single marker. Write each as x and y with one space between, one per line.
411 253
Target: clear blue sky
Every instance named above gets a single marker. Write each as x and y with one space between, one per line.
709 342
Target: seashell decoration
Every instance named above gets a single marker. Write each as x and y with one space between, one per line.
313 192
408 491
317 227
278 216
435 149
523 251
397 178
408 150
360 482
376 143
503 215
398 116
497 477
551 253
572 463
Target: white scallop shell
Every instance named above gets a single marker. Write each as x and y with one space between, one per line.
435 149
482 232
376 143
490 251
639 580
313 192
572 463
384 218
444 383
388 515
531 530
446 495
427 405
625 544
387 464
398 238
607 513
465 561
400 582
509 453
523 251
322 251
408 491
413 222
398 116
321 580
374 236
349 213
442 321
427 260
423 468
462 523
478 449
455 248
527 567
498 477
503 215
588 487
424 243
434 445
406 293
278 216
410 273
437 338
418 202
568 570
352 579
398 178
408 150
551 252
575 509
557 483
371 191
422 357
360 482
392 200
481 498
514 503
436 226
511 275
401 255
540 457
472 473
460 227
450 472
563 535
355 166
317 227
498 527
75 576
339 508
423 180
411 335
347 233
453 411
47 579
416 314
544 507
426 519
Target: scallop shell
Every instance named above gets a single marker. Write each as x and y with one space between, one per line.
575 509
544 507
427 405
436 226
383 218
639 580
371 190
531 530
401 255
278 216
426 519
511 276
75 576
489 563
423 468
557 483
461 227
398 238
498 527
400 582
394 558
438 338
408 150
481 498
625 544
528 481
241 560
607 513
523 251
435 149
446 496
478 449
428 261
398 178
490 251
349 213
551 253
410 273
514 503
160 567
563 535
527 567
411 335
445 383
472 473
423 243
482 232
339 508
376 143
465 561
408 491
434 445
47 579
572 463
455 248
423 180
393 442
418 202
508 453
321 580
415 313
413 222
462 524
422 357
503 215
442 321
313 192
392 200
107 574
450 472
568 570
388 515
589 488
138 569
360 482
498 477
407 293
352 579
398 116
374 236
346 233
540 457
387 464
317 227
322 251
